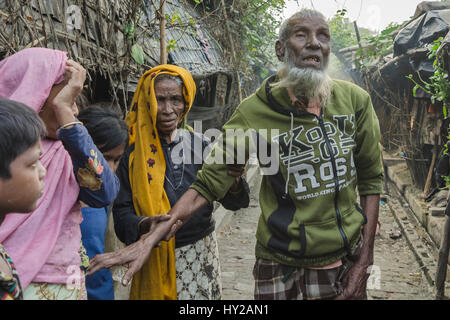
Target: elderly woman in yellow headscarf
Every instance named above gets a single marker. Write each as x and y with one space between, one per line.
156 170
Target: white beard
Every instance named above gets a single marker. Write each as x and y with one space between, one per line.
305 83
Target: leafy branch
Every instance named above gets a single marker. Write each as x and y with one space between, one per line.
253 25
377 46
438 87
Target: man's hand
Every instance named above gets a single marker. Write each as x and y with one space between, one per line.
148 224
235 170
189 203
355 283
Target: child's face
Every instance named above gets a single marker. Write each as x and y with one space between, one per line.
20 193
113 156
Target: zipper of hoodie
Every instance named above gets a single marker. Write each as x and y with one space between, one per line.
336 183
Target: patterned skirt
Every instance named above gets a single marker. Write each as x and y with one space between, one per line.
74 289
54 291
198 270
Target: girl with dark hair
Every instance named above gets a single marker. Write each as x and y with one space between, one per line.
108 130
110 134
45 245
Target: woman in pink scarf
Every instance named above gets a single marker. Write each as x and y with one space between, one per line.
45 245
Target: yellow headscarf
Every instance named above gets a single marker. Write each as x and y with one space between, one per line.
157 278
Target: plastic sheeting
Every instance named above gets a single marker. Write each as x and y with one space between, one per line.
425 6
422 31
411 48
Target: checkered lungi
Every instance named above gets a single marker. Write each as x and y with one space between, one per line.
275 281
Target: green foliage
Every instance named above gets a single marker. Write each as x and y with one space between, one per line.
138 54
342 31
438 87
253 25
336 69
171 44
174 18
376 46
129 30
373 45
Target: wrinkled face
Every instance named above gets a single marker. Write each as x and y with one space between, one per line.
47 113
113 156
21 192
169 97
308 43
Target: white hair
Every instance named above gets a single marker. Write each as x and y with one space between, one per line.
285 28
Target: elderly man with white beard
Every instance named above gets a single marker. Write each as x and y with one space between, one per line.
314 241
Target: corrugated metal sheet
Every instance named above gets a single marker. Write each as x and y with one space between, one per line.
194 50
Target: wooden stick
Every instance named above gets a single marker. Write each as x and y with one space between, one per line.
162 32
426 189
441 272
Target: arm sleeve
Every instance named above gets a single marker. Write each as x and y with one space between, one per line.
368 155
98 183
126 222
213 181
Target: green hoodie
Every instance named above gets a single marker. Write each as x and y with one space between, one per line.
311 224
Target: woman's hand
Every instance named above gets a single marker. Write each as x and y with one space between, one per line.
135 255
63 102
60 109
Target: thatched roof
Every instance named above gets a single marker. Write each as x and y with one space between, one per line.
98 35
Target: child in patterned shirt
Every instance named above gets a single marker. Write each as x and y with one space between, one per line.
21 177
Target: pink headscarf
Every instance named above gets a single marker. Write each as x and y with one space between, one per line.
34 241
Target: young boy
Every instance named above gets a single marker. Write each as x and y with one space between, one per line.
21 176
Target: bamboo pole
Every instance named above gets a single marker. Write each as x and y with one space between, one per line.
358 37
162 32
233 52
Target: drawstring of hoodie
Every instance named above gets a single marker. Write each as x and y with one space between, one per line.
286 187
